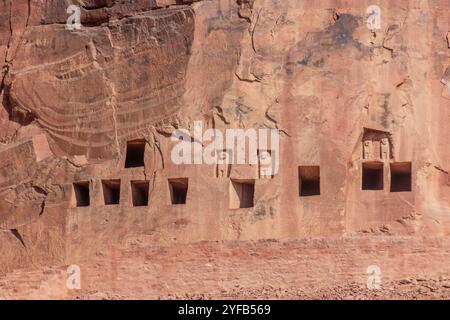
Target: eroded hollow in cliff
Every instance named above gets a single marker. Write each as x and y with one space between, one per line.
178 189
81 191
111 191
401 177
309 180
135 154
139 193
242 194
372 176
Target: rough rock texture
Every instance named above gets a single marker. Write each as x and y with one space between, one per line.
264 269
345 98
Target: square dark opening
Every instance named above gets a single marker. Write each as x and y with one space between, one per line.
372 176
401 177
81 190
309 180
242 194
111 191
139 193
135 154
178 190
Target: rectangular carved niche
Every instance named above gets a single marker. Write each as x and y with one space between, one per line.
401 180
372 176
111 191
139 193
81 193
178 189
135 154
309 180
242 194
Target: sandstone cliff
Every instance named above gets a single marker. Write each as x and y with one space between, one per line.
368 110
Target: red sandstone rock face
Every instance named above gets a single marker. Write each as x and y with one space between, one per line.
368 107
264 269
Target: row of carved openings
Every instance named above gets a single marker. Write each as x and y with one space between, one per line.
139 192
373 176
242 191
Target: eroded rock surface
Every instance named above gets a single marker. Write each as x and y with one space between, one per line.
363 115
